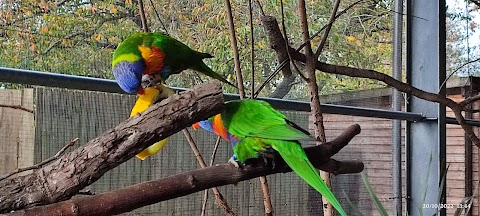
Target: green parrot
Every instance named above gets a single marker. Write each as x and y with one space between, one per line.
253 128
143 59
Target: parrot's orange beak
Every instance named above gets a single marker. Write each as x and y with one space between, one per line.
196 126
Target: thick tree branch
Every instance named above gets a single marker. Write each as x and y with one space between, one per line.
277 43
147 193
65 176
401 86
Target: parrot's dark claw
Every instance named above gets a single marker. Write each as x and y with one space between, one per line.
233 161
268 159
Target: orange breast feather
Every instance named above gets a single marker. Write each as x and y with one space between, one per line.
219 128
154 59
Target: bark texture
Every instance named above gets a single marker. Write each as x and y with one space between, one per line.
146 193
73 171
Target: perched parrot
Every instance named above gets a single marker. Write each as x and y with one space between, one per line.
143 59
145 100
254 127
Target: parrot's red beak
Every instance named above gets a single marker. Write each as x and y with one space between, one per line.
196 126
141 91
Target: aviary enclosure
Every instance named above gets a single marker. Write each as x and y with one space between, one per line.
367 78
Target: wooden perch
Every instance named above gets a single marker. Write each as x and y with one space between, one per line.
64 177
147 193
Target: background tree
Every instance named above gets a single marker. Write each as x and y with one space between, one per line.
78 37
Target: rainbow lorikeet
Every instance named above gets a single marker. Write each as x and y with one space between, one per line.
254 127
143 59
144 101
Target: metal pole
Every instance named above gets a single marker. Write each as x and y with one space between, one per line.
426 140
397 106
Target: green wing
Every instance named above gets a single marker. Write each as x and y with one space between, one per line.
178 55
296 158
249 147
256 118
182 57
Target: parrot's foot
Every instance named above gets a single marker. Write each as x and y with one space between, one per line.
233 161
268 159
149 81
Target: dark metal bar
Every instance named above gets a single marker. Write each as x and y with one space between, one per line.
471 122
58 80
104 85
47 79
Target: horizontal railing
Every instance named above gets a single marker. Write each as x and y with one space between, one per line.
48 79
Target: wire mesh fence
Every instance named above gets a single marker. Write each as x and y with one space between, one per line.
60 115
36 122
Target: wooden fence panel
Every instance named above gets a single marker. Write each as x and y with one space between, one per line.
16 129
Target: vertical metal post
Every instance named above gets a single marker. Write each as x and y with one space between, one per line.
426 140
397 106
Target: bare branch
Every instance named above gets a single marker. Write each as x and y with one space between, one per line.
285 62
19 107
143 18
233 44
212 160
456 70
218 196
252 48
401 86
37 166
327 30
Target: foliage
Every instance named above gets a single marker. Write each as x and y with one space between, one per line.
78 37
462 46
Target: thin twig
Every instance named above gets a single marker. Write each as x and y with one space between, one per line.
252 47
233 43
260 7
327 30
17 107
219 198
212 160
456 70
285 38
158 17
141 11
36 166
469 100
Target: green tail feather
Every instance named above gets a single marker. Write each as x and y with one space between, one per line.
203 68
296 158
